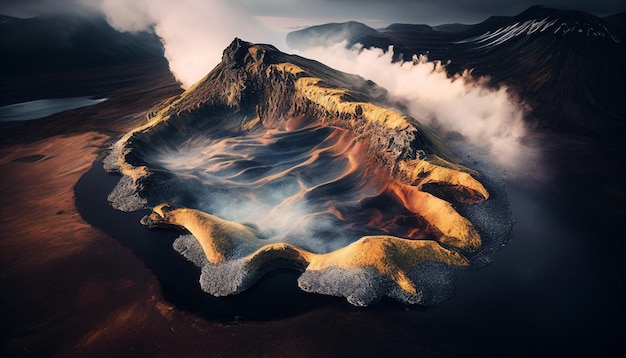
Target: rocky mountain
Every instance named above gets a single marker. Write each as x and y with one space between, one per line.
66 42
567 65
274 160
58 56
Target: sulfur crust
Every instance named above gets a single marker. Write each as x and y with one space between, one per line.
391 256
456 230
287 67
331 100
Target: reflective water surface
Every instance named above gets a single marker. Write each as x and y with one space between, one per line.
40 108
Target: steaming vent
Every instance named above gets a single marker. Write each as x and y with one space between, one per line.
273 158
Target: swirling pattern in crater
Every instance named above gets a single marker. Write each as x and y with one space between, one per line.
309 187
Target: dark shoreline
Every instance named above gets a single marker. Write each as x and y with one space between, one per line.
276 295
44 107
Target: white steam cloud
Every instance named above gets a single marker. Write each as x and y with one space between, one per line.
487 118
194 32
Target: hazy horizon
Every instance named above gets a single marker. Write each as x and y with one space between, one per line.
291 15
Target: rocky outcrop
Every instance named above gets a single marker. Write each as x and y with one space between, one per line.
70 42
256 89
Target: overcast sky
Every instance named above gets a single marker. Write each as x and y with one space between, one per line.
298 13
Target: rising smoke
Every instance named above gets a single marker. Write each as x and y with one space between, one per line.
194 32
488 118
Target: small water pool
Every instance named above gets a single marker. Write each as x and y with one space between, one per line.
26 111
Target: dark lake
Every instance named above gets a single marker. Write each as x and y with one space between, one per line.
41 108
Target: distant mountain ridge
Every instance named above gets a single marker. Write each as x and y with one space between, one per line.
567 65
407 28
539 19
328 34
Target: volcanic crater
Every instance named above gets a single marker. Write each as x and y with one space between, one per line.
273 160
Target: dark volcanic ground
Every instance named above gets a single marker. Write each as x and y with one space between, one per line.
72 289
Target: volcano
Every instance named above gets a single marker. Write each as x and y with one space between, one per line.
284 172
274 160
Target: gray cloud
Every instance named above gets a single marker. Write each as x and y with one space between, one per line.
32 8
431 12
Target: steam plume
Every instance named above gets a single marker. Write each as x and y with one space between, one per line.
194 32
485 117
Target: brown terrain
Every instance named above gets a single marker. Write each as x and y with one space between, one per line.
67 287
